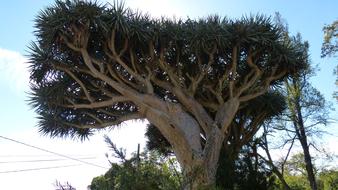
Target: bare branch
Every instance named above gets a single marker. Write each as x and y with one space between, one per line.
288 153
117 57
109 113
166 68
94 117
100 104
132 59
120 79
104 124
208 104
254 127
125 46
90 99
100 64
195 108
163 84
217 94
124 90
194 81
150 88
263 89
233 71
226 113
68 43
256 72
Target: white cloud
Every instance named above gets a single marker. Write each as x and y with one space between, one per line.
13 70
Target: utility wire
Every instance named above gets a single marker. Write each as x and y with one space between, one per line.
41 155
45 150
33 169
44 160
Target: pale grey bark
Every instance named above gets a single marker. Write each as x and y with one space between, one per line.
182 123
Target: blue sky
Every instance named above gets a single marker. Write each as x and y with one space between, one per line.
17 120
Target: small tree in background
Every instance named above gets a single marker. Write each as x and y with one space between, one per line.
66 186
329 179
330 45
147 170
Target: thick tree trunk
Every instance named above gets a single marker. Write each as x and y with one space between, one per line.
202 173
199 163
199 178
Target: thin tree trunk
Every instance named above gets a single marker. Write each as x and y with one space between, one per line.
294 97
309 166
300 131
281 178
307 156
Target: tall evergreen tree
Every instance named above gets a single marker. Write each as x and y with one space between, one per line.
306 110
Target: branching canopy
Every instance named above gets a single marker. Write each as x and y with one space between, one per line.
247 122
95 66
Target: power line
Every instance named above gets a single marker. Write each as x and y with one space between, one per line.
43 160
45 150
33 169
43 155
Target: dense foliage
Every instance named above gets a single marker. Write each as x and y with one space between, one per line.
95 66
65 89
147 170
131 175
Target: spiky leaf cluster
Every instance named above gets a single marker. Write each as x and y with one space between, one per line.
211 59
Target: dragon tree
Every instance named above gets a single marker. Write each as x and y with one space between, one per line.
95 66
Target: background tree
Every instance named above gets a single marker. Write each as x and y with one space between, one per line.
306 110
276 168
142 171
96 66
306 107
329 179
295 173
330 45
66 186
246 172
